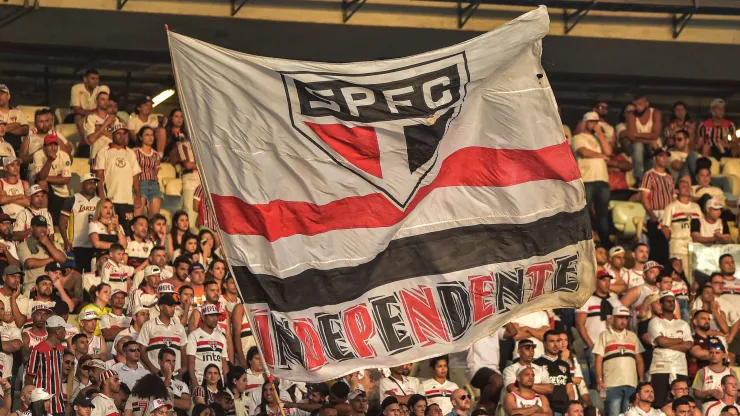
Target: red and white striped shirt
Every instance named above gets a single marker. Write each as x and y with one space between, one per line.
715 133
205 213
45 366
185 151
660 186
149 164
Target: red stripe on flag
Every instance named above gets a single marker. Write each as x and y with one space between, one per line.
471 166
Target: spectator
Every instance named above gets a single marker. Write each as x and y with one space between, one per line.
115 272
679 395
38 251
212 384
118 170
98 125
96 347
677 220
13 190
82 406
460 403
83 96
114 322
618 165
618 362
672 339
483 362
657 188
101 298
644 400
438 388
710 228
6 149
16 125
168 361
703 331
615 268
634 276
680 286
158 258
717 134
591 318
49 290
681 406
53 171
132 370
636 296
593 150
199 358
142 117
568 354
22 226
602 109
190 178
707 384
532 326
190 249
211 290
180 229
575 408
172 131
45 364
704 185
110 385
74 222
8 250
207 248
236 386
14 302
680 120
525 400
398 385
104 229
148 388
728 385
146 294
148 159
542 384
139 316
153 333
644 126
43 127
559 372
679 154
664 284
417 404
158 230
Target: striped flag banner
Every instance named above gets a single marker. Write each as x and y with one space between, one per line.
379 213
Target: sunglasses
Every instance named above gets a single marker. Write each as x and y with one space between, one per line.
68 362
527 347
133 350
464 397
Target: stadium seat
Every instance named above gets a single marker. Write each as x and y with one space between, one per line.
30 111
69 131
734 180
628 218
74 183
174 187
715 166
165 174
123 116
61 114
80 165
731 166
167 215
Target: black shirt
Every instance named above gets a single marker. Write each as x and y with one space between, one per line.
559 371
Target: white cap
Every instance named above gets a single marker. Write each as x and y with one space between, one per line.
666 294
165 288
591 116
88 177
56 321
621 311
151 270
139 308
616 250
34 189
39 394
209 310
716 101
714 203
88 315
156 404
521 369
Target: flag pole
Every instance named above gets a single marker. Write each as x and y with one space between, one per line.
277 395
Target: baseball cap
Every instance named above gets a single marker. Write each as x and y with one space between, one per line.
661 151
39 221
4 88
616 250
591 116
117 291
43 278
51 138
151 270
355 394
166 299
52 267
165 288
714 203
12 270
603 274
70 262
196 266
11 159
56 321
5 217
144 100
105 375
88 315
387 402
209 310
666 294
621 311
117 126
138 308
38 394
34 189
521 369
716 343
41 307
716 101
649 265
158 404
83 401
88 177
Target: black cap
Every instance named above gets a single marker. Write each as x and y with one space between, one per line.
53 267
83 401
42 278
322 388
39 221
387 402
715 344
340 390
525 341
167 299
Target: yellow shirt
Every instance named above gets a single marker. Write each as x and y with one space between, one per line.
98 311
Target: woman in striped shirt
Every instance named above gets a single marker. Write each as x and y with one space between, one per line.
149 162
212 384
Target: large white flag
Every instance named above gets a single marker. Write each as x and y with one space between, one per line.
378 213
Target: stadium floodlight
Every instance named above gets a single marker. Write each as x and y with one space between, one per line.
162 96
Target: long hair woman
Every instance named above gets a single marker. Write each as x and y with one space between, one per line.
180 229
212 384
208 248
189 248
173 130
100 300
148 388
40 402
104 229
149 163
269 403
680 120
438 389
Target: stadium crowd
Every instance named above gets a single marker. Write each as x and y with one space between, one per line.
111 307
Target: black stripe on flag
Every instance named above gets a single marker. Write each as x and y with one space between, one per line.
422 255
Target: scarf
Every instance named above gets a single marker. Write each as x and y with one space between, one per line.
606 307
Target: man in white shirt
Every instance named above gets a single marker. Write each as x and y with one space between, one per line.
37 208
711 228
16 125
634 276
110 385
615 268
43 126
206 345
676 222
98 124
532 326
729 398
53 171
75 217
82 97
542 383
644 398
118 170
141 117
132 370
6 149
398 385
672 340
593 150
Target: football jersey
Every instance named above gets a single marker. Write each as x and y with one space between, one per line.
111 320
633 278
677 216
155 335
31 303
116 275
207 349
104 406
144 296
438 393
138 252
80 211
523 402
12 189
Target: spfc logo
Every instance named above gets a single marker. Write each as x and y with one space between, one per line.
213 345
167 341
385 126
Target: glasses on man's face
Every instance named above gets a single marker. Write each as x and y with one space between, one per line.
68 362
464 397
133 350
528 347
681 389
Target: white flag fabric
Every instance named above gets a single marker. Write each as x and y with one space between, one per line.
379 213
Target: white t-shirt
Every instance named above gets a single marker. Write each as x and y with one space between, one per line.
120 166
36 142
104 406
7 333
485 353
135 124
636 411
61 166
81 97
438 394
706 379
207 349
129 376
6 149
592 308
541 375
23 219
116 275
715 408
592 169
154 335
14 115
404 387
677 216
666 360
633 278
676 155
18 188
111 320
